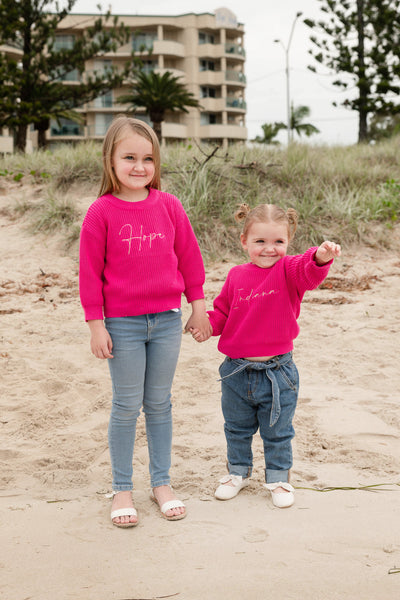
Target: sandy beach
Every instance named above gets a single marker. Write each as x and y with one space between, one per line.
58 542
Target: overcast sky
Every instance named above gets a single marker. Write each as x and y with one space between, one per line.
264 21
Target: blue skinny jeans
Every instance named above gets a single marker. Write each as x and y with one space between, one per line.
145 350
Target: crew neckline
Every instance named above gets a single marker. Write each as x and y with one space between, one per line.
127 205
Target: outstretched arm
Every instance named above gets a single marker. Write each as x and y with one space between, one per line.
326 252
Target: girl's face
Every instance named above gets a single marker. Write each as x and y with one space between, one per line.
266 243
133 165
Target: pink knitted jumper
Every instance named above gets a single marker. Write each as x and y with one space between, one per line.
138 257
256 312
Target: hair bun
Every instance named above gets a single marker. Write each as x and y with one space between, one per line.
242 212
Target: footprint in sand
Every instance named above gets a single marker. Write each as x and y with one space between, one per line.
256 535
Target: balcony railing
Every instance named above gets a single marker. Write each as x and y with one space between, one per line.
232 102
232 48
71 129
231 75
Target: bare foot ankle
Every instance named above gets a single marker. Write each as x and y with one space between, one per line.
123 500
163 494
281 490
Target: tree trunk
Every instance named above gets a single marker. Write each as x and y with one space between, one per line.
20 138
363 86
157 129
41 128
362 127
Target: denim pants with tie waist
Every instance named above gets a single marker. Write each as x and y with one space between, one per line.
259 396
145 350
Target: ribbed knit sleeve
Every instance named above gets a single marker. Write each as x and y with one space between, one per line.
219 315
91 263
190 261
303 273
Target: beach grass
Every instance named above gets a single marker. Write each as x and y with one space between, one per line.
347 194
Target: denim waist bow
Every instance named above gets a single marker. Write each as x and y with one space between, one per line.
269 366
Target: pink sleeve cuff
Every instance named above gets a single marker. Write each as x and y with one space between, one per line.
93 313
194 293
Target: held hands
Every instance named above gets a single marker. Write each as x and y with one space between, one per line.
198 335
326 252
199 324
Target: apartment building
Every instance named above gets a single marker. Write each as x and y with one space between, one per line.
205 50
6 136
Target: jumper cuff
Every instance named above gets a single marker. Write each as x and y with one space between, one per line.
194 293
93 313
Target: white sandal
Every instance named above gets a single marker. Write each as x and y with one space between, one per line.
281 499
122 512
169 505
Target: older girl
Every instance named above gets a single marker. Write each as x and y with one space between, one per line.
138 254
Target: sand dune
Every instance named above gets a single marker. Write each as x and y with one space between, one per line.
57 539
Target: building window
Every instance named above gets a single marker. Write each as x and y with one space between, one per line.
102 121
207 65
208 92
148 66
104 101
61 75
65 127
206 38
143 42
102 66
64 42
208 119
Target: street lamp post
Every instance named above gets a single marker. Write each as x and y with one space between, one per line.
286 50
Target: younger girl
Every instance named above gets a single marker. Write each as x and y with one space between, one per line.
138 254
256 316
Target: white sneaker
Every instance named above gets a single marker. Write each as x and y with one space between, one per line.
281 499
225 491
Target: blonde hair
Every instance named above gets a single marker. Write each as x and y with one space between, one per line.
121 127
267 213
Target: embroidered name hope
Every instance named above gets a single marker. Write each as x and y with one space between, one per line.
142 238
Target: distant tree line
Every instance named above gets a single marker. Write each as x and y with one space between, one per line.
359 41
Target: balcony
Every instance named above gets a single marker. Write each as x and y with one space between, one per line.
234 49
239 103
168 48
211 50
211 77
234 132
174 72
67 130
236 76
212 104
174 130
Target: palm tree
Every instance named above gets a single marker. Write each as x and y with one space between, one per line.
158 94
297 115
270 130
